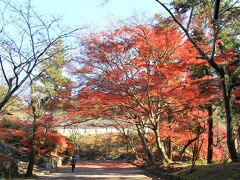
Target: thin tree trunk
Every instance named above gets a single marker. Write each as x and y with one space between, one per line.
145 146
160 147
169 140
168 147
33 143
230 136
196 151
134 152
186 146
238 135
34 132
239 129
130 145
210 135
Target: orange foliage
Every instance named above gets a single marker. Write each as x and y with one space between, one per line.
145 71
18 133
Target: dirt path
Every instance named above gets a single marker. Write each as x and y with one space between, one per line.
99 170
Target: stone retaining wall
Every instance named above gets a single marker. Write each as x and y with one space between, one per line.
8 167
14 162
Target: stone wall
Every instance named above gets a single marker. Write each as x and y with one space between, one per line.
9 157
9 150
8 167
14 162
48 162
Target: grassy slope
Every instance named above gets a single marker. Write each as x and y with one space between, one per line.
229 171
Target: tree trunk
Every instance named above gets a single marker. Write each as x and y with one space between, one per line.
186 145
210 135
160 146
196 151
145 146
130 145
134 152
31 161
239 129
168 147
238 136
168 142
230 136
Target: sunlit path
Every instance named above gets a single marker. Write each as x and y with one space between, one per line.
99 170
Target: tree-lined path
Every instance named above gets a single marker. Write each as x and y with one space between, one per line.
99 170
162 90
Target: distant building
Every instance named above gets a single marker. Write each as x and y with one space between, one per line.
86 130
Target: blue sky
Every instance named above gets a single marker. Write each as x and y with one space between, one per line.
90 12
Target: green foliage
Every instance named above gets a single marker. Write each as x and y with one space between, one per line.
52 76
3 91
230 31
66 160
51 80
15 103
182 6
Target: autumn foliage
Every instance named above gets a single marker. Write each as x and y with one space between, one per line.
150 76
144 77
18 133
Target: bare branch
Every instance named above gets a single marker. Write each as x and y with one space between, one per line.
24 49
190 17
201 52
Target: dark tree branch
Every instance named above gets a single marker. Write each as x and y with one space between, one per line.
201 52
216 9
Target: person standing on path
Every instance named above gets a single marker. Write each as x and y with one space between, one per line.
73 163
